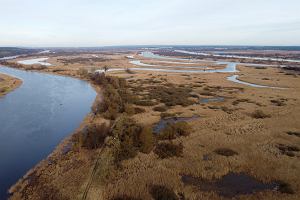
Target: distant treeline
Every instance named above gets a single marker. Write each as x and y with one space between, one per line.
220 48
13 51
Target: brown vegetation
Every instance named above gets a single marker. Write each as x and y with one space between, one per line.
130 139
168 150
173 130
160 192
225 152
259 114
92 136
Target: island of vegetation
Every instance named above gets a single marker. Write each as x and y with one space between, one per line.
8 83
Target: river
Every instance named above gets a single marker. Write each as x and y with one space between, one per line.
35 118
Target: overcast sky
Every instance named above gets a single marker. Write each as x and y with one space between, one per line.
149 22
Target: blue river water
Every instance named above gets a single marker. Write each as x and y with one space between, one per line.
35 118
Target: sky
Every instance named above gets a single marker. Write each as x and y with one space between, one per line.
83 23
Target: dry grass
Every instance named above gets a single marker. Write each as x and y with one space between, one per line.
254 140
168 150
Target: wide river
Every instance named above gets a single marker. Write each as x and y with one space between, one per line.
35 117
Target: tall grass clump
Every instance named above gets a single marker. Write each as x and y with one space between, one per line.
174 130
92 136
131 138
116 96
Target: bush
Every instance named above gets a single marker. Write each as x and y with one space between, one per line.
278 102
171 95
126 131
129 109
83 72
116 97
160 192
259 114
225 152
166 115
131 138
171 131
125 197
92 136
285 187
160 108
167 150
288 149
145 103
293 133
146 140
138 110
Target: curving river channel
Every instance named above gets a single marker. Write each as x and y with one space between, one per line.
35 118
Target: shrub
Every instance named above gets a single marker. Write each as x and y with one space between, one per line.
225 152
288 149
125 197
83 72
116 97
166 115
160 192
92 136
138 110
207 93
260 67
182 128
171 131
4 89
285 187
293 133
171 95
129 71
278 102
259 114
129 109
131 138
126 131
227 110
160 108
145 103
167 150
146 140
